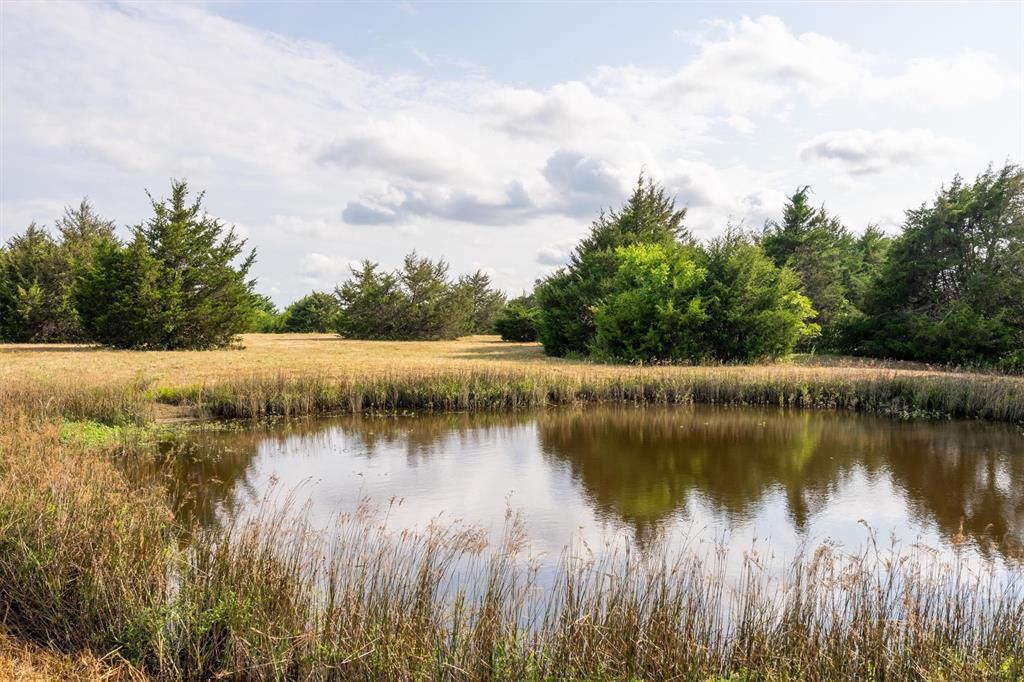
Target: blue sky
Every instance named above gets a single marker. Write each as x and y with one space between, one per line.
490 134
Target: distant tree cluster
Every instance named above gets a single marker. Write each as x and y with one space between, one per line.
415 302
518 320
952 287
180 281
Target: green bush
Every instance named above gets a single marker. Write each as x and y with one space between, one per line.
518 320
567 299
314 312
654 309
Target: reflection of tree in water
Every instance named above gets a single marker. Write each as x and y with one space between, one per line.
208 472
955 472
642 465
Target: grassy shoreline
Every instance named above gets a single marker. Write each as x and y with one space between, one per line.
95 572
311 374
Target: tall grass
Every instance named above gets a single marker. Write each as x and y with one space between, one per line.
934 395
91 562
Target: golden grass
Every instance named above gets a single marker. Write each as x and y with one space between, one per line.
96 577
272 372
23 661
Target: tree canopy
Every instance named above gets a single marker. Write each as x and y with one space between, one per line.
950 289
180 283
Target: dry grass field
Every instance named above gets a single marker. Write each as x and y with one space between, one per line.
331 355
291 373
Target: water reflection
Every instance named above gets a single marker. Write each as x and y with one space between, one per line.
643 470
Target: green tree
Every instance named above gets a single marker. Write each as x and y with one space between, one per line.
818 248
568 298
314 312
81 230
35 303
486 302
754 309
435 308
518 320
416 302
192 294
372 304
950 290
115 293
264 317
653 310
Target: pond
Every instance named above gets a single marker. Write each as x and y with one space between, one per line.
649 477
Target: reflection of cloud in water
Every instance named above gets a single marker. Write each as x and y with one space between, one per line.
656 474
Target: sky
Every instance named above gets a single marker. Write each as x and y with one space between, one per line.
491 134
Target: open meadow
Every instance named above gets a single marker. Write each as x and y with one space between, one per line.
310 373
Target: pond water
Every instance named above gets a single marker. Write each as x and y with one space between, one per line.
646 476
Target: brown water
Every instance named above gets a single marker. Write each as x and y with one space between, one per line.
647 476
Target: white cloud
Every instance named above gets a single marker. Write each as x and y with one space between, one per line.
556 254
320 270
315 153
864 152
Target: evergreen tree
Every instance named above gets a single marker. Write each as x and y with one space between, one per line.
566 299
81 230
35 302
372 304
183 262
416 302
950 290
486 302
264 316
518 320
314 312
754 309
823 253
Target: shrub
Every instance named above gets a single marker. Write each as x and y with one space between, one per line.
314 312
518 320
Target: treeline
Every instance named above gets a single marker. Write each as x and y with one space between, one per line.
639 287
181 282
418 301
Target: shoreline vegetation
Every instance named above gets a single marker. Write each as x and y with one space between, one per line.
293 375
96 571
271 599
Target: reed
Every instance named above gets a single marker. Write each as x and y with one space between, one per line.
929 395
93 567
96 573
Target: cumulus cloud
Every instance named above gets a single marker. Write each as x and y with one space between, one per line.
866 152
556 254
581 184
449 204
301 144
321 270
404 148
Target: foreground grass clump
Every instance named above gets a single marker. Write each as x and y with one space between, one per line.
94 567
